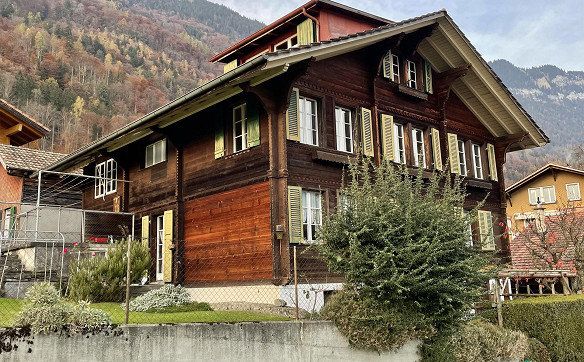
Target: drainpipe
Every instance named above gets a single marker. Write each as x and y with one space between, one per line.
305 13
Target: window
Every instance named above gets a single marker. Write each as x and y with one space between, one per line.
344 129
308 121
573 192
160 247
106 174
469 238
462 158
399 144
477 162
412 80
395 68
239 128
155 153
288 43
544 195
419 151
311 214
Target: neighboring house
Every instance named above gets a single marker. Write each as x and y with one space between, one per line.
229 177
552 187
17 128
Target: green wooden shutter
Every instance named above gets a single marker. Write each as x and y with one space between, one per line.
453 153
428 76
12 226
492 162
145 230
367 126
293 116
387 135
219 140
230 66
306 32
167 246
486 230
388 66
295 214
253 125
436 150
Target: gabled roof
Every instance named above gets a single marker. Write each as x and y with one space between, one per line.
481 90
293 14
31 130
26 159
541 171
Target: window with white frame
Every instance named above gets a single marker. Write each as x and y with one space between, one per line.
395 68
399 153
412 77
106 174
544 195
469 237
344 129
291 42
239 128
477 161
308 121
462 158
573 191
155 153
311 214
419 149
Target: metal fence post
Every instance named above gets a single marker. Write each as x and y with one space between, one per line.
128 274
296 285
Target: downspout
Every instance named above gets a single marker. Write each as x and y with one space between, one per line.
305 13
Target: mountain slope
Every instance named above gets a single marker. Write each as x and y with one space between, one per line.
555 99
87 67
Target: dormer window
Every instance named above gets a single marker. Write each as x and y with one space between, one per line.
412 79
291 42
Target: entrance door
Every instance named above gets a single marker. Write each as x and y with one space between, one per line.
159 247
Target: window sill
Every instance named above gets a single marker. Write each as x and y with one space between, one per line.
412 92
478 183
340 157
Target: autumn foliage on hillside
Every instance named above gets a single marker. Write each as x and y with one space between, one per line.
87 67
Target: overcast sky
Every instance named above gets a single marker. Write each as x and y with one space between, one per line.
525 32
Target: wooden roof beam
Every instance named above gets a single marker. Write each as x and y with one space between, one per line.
413 39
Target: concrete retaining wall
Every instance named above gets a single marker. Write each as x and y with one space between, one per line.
277 341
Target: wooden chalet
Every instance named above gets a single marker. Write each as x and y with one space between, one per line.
228 177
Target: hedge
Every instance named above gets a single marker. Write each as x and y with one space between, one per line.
556 321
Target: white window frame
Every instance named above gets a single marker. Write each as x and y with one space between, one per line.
462 158
106 175
288 42
579 196
416 142
344 139
305 131
311 204
399 144
395 68
157 151
412 75
243 122
539 192
477 161
160 247
469 233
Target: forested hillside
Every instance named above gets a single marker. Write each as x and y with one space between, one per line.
87 67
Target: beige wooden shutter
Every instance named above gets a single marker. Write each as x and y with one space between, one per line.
145 230
486 230
230 66
453 153
305 32
295 214
492 162
367 126
219 141
293 116
436 150
387 135
253 125
388 66
428 76
167 246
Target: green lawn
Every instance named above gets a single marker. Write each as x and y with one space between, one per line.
9 308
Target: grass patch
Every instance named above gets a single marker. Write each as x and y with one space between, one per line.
184 314
189 307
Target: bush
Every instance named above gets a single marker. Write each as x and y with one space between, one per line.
45 312
103 279
372 325
167 296
556 321
478 340
402 240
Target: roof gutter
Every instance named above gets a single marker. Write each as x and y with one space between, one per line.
158 112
